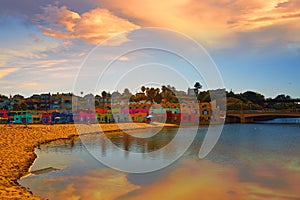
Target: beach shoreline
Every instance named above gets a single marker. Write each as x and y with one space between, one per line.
17 145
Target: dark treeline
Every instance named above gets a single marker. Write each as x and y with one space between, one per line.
254 101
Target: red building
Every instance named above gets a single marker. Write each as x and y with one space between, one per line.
4 116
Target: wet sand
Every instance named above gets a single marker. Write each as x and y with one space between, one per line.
17 145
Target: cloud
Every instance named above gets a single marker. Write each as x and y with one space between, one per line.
123 58
289 5
22 44
215 23
6 71
93 26
210 180
59 17
30 8
42 63
94 184
29 84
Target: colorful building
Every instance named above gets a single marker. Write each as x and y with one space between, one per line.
205 112
46 118
20 117
105 117
85 116
36 117
186 112
120 113
4 117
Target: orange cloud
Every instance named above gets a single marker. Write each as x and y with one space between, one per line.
212 22
95 184
6 71
203 179
93 26
191 178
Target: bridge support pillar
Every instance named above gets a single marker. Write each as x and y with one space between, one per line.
245 120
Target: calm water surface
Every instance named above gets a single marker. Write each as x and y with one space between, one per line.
250 161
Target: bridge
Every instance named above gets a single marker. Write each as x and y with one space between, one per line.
249 116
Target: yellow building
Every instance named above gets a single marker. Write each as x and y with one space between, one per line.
36 116
205 111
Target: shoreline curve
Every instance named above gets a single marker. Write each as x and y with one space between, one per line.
17 146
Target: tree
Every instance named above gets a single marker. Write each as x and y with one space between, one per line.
16 107
282 97
151 93
23 106
140 97
97 104
132 98
254 97
283 102
197 87
143 88
168 94
158 98
204 96
230 94
104 95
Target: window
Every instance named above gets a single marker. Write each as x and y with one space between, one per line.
205 112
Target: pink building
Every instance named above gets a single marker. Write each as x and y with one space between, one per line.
46 117
85 116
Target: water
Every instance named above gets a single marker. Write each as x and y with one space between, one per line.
294 120
250 161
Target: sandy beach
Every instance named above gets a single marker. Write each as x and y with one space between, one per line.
17 145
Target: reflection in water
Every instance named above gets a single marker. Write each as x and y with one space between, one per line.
141 143
72 142
256 161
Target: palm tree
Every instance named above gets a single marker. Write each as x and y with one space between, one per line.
197 87
158 98
168 94
151 93
132 98
143 88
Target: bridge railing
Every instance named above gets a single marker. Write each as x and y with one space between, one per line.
261 111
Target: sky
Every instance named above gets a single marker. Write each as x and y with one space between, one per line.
53 46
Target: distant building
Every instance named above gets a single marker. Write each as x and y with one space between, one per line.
116 98
191 92
33 102
55 101
18 97
4 102
89 102
66 101
45 101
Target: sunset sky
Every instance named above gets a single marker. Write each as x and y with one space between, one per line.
255 44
